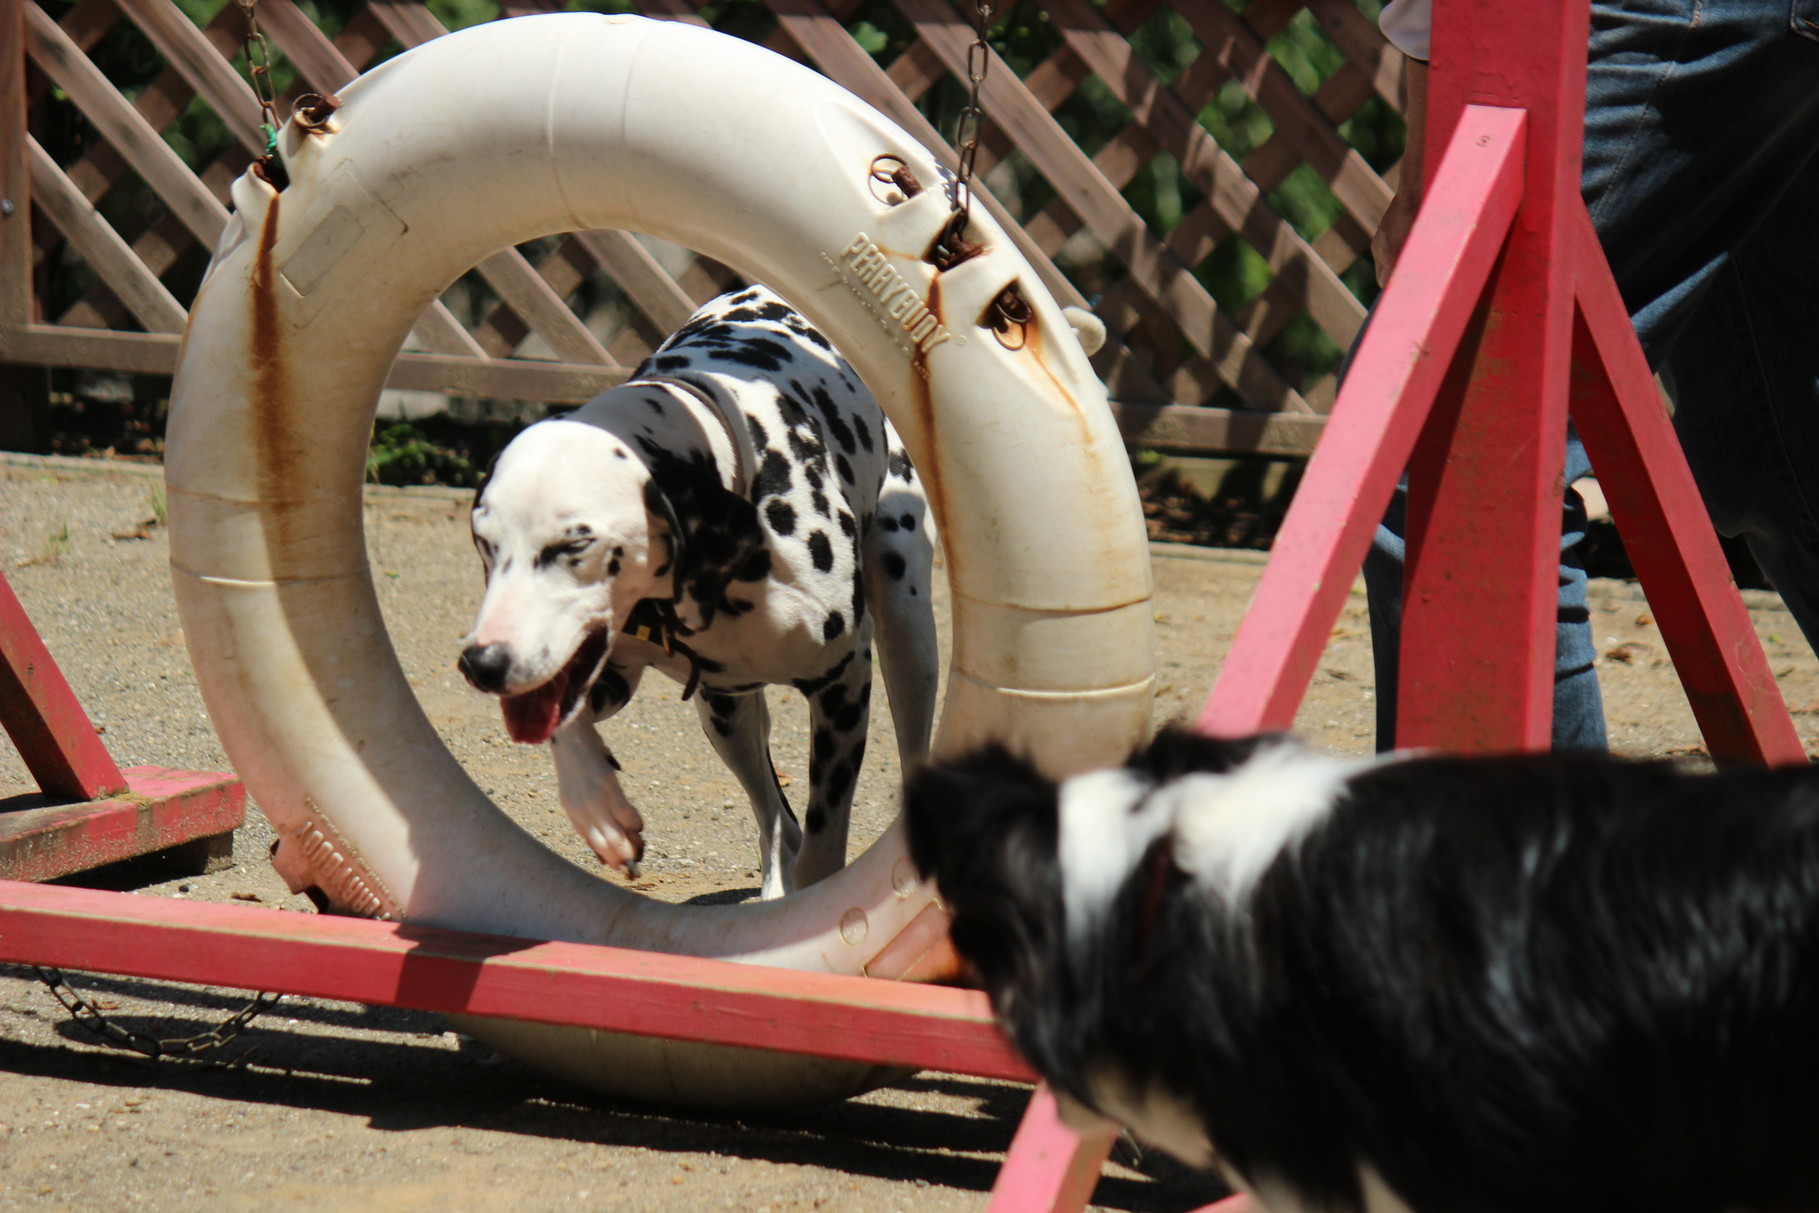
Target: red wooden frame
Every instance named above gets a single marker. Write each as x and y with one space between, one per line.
89 812
1502 315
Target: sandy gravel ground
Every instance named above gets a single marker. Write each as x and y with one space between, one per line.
345 1107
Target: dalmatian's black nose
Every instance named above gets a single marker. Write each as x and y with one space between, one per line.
486 666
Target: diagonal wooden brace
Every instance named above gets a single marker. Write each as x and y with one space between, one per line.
1380 411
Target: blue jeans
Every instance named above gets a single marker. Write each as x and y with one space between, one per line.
1702 176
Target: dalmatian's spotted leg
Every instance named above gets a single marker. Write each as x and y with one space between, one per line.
587 782
839 711
899 564
587 777
739 726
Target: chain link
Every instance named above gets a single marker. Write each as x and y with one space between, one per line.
966 135
187 1048
259 71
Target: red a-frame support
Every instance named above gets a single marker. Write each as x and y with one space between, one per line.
89 812
1502 314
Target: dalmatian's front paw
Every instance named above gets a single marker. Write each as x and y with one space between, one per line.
615 847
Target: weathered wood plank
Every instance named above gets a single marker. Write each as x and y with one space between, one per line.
156 354
1232 43
188 50
1183 428
101 247
121 125
15 173
1359 40
1240 203
405 964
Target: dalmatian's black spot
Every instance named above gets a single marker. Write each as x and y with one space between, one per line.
837 426
901 467
862 431
894 567
844 468
849 528
815 821
835 625
609 690
804 445
821 551
760 353
720 705
654 404
773 476
761 437
818 499
757 566
908 522
840 779
612 567
814 686
782 517
621 453
847 719
858 591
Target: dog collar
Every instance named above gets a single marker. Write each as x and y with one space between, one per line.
653 621
716 411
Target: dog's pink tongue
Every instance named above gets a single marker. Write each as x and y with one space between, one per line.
531 717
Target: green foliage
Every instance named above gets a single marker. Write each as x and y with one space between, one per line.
402 454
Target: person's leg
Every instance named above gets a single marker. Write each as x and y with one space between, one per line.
1701 176
1700 115
1745 376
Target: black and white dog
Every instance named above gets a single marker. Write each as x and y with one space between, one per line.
1432 983
738 514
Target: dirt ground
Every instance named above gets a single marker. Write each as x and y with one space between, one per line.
337 1106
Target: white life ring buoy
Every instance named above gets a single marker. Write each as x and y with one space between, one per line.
538 125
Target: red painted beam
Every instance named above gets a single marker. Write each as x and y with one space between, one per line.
1049 1167
42 715
161 809
430 969
1483 538
1666 531
1386 397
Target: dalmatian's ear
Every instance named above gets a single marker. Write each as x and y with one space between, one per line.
717 537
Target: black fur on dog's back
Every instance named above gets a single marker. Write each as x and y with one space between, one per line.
1561 982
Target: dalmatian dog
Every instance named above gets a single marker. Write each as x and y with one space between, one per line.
739 514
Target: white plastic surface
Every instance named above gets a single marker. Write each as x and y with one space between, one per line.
518 129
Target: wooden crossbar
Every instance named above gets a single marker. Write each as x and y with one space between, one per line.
581 985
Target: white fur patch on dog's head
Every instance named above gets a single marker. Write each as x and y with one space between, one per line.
1230 828
1105 827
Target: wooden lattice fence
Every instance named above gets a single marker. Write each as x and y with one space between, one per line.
1195 171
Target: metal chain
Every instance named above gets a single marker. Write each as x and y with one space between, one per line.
966 135
259 69
187 1048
